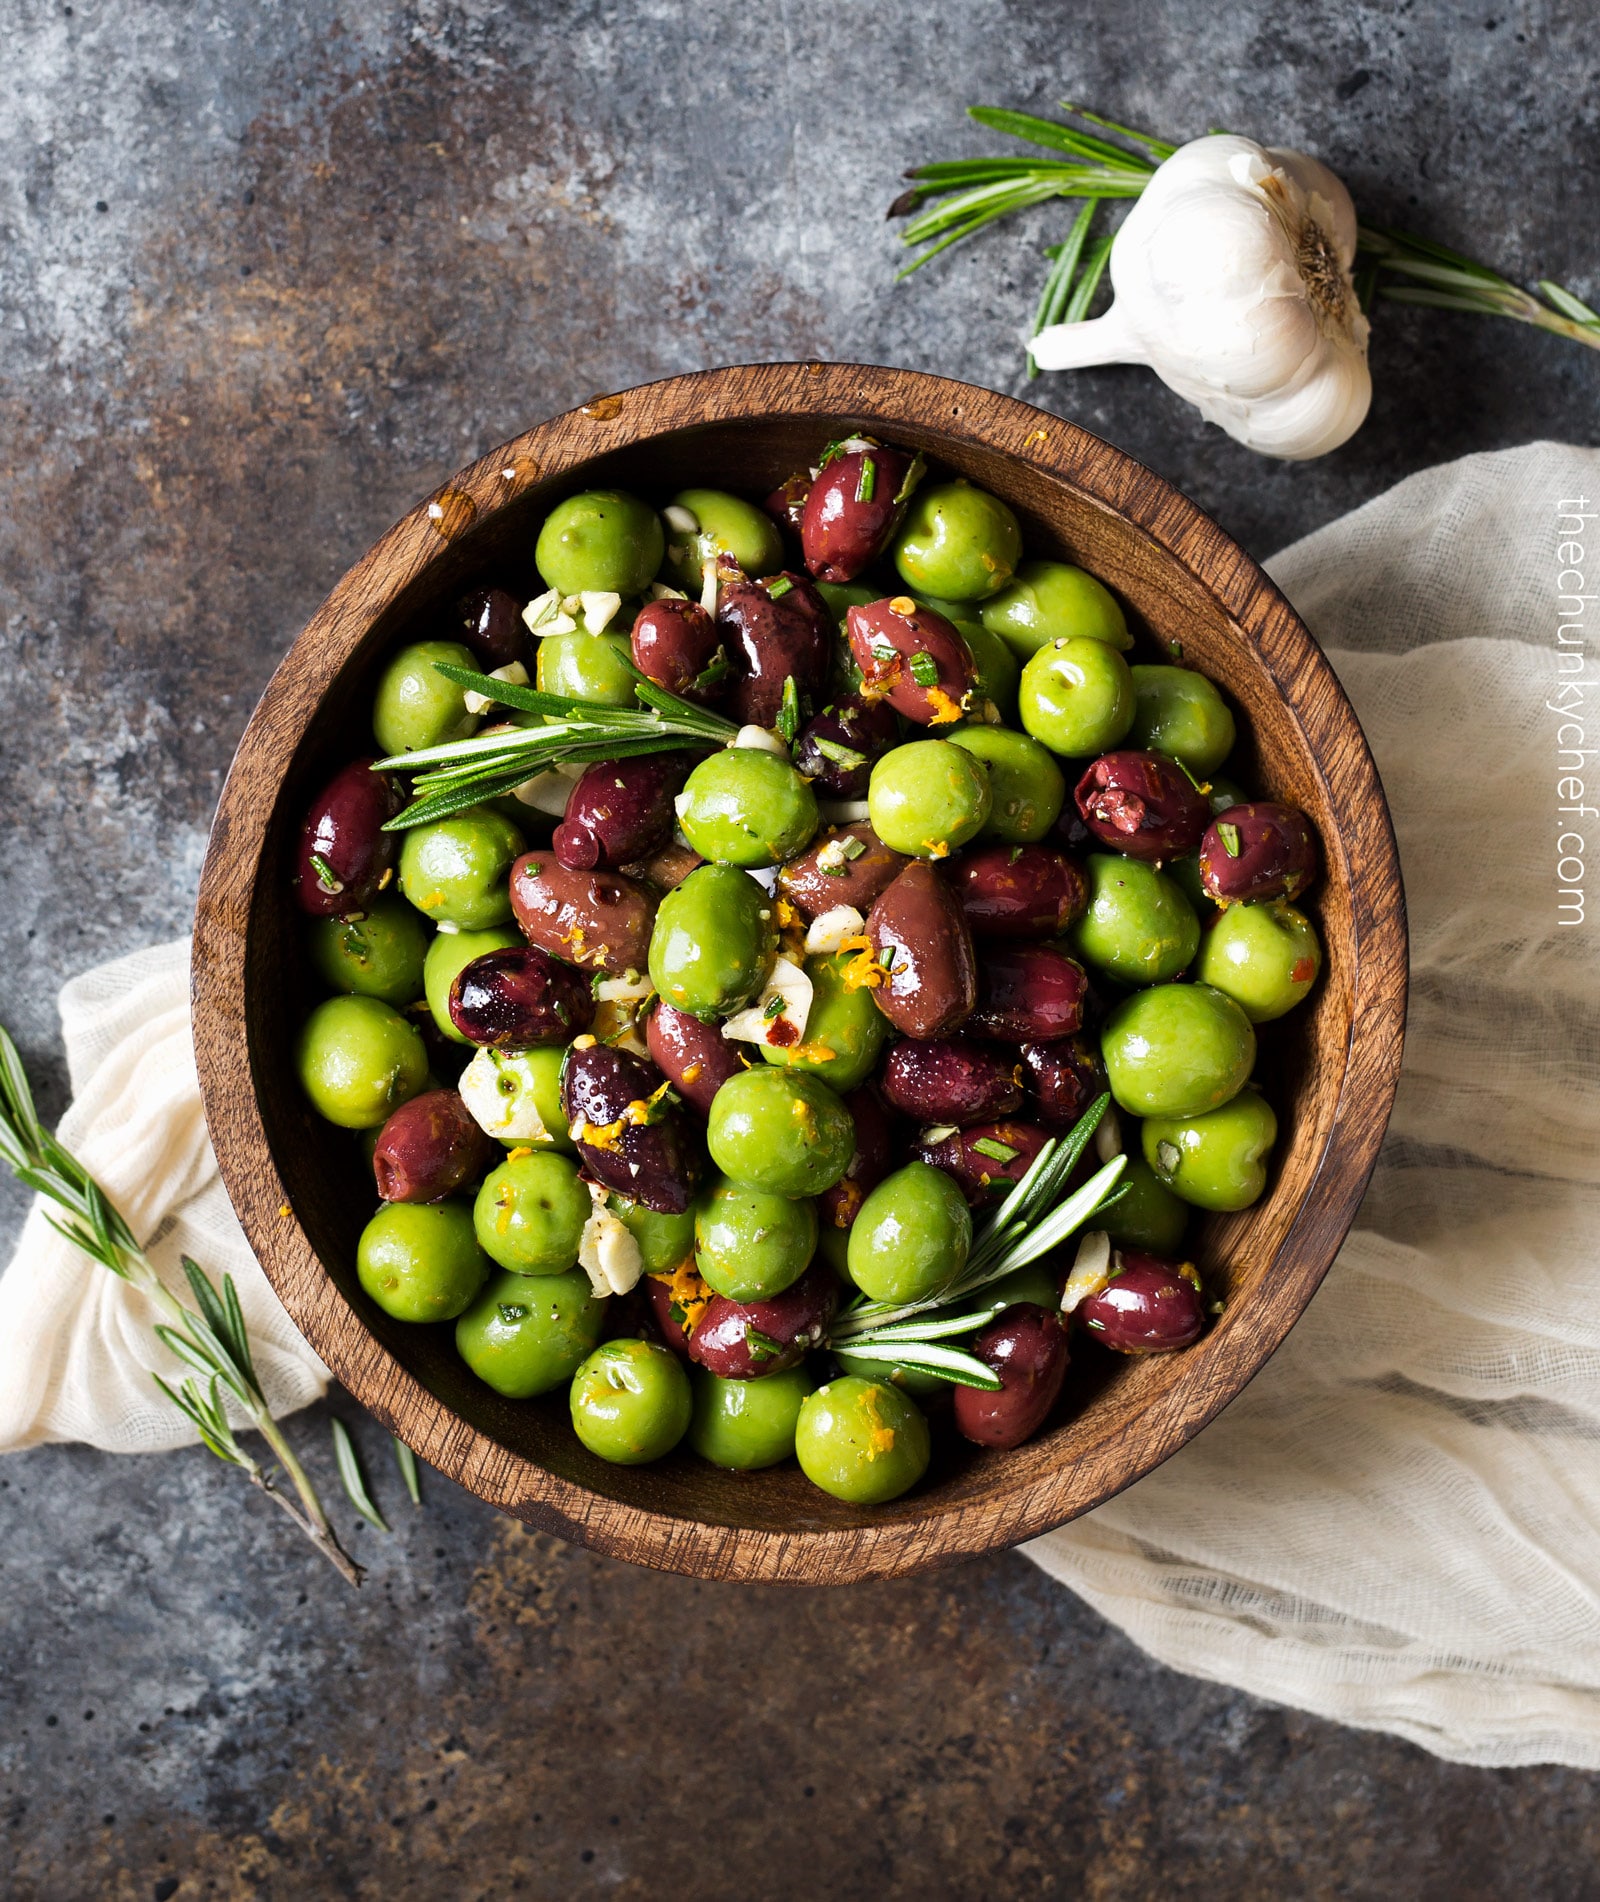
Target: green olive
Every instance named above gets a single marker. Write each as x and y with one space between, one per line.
928 798
530 1213
631 1402
751 1243
604 541
713 939
745 806
526 1335
1076 697
745 1425
378 955
844 1032
584 666
1149 1215
420 1260
957 542
862 1441
415 706
359 1060
780 1130
449 954
515 1096
1180 713
1177 1050
457 870
1052 601
998 668
1026 785
1265 956
912 1234
727 525
666 1242
1217 1160
1138 926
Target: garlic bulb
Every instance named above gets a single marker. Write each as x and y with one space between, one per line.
1232 282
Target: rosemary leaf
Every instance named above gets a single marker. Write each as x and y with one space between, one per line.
945 1363
351 1477
406 1460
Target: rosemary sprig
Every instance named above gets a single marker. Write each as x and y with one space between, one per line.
209 1338
351 1477
973 193
572 732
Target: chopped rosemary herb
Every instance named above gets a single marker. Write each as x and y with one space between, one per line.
774 1006
778 587
327 878
512 1311
852 847
761 1347
787 723
867 481
1229 835
843 756
996 1151
925 670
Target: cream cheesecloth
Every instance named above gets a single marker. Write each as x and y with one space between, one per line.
1397 1525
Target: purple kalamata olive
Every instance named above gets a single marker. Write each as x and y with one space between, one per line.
774 631
695 1057
1018 891
676 644
870 1162
1256 851
920 942
988 1159
520 998
621 811
850 865
1149 1306
1062 1079
1027 1347
600 921
629 1136
344 857
952 1080
1142 804
490 622
429 1148
853 508
787 502
742 1340
913 658
1029 993
836 748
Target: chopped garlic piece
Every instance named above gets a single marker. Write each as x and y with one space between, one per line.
1108 1136
498 1086
1090 1271
828 931
843 812
680 520
761 740
785 999
539 612
514 672
634 987
659 591
599 609
939 1133
550 791
708 588
608 1252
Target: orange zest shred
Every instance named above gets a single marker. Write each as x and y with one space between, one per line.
686 1291
880 1436
945 709
863 970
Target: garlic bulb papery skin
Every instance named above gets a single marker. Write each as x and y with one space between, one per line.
1231 276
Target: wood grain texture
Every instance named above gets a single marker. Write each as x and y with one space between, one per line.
1331 1070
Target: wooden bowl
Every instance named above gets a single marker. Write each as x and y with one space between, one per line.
1331 1069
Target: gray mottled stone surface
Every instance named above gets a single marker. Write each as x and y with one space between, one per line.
267 275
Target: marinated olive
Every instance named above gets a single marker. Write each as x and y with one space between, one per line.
344 856
1177 1050
1028 993
1265 956
359 1060
745 806
912 1235
520 997
1143 805
630 1137
600 921
958 542
998 670
780 1130
604 542
1027 1347
913 658
515 1096
774 632
583 666
621 811
1076 697
666 1242
835 750
986 1160
530 1214
455 869
861 1441
1019 891
928 798
380 954
694 1057
1216 1160
527 1335
449 953
491 625
787 502
1180 713
923 949
713 940
1052 601
745 1425
1138 924
868 1165
429 1148
853 507
850 865
1148 1306
419 1261
1256 851
416 706
752 1243
1025 784
1062 1079
1146 1214
952 1080
631 1402
844 1032
750 1340
676 644
723 525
